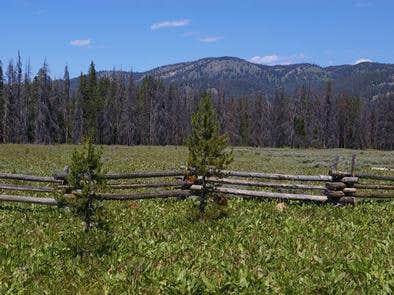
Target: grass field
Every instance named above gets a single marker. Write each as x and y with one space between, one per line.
157 247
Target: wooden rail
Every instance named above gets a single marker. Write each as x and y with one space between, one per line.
263 194
133 175
146 185
276 176
141 196
29 200
232 181
25 188
364 175
29 178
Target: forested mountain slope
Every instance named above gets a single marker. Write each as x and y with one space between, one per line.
239 77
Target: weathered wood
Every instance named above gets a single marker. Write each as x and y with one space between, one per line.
145 185
350 179
29 178
25 188
144 174
335 186
29 200
374 186
277 176
140 196
133 175
347 201
334 194
262 194
243 182
364 175
380 195
375 177
349 190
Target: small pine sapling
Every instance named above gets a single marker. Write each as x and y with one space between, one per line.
208 149
85 178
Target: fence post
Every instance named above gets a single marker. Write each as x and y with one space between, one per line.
334 187
341 190
349 181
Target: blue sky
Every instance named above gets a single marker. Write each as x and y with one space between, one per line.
143 34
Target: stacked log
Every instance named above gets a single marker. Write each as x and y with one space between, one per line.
341 189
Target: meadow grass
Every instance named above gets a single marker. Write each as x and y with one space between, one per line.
158 246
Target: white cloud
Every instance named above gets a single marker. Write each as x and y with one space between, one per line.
268 59
80 42
170 24
39 12
275 59
210 39
361 60
363 4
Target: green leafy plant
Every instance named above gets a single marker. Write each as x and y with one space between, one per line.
208 149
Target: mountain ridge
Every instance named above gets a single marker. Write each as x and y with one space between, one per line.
239 77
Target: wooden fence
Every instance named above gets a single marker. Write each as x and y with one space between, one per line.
336 187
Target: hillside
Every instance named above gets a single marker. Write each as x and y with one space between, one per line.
240 77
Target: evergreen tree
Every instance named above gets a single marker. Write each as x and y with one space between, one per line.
67 107
77 133
46 126
207 148
260 127
89 103
281 120
244 122
1 103
127 123
145 121
10 106
20 105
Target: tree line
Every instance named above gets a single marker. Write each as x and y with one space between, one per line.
114 109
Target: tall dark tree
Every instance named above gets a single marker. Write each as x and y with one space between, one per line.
244 121
67 106
90 104
2 103
77 133
46 126
10 106
146 94
260 123
158 118
281 120
128 115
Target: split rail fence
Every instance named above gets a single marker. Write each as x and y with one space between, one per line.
336 187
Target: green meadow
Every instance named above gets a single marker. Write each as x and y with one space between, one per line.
159 247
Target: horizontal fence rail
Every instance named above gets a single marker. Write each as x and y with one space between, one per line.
133 175
365 176
29 200
25 188
146 185
232 181
271 195
141 196
29 178
276 176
